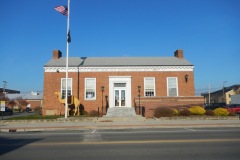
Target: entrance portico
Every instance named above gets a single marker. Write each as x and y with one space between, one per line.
120 91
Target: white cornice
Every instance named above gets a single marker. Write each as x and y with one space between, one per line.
121 69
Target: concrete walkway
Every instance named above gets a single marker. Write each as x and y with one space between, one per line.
110 123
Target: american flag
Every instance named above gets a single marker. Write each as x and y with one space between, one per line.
62 9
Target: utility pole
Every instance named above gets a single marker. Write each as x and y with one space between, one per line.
4 87
223 99
209 95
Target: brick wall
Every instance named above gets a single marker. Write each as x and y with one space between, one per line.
52 83
151 103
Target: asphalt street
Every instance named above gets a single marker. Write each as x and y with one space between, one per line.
162 143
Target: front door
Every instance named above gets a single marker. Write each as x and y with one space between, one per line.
120 94
120 98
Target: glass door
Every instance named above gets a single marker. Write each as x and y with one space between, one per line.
120 98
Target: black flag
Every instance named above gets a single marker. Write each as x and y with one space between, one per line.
68 37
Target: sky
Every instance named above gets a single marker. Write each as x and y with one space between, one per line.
208 31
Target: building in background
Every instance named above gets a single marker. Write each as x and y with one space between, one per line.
9 91
222 96
33 99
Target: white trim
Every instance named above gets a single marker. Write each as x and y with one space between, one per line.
176 86
94 98
61 69
120 79
121 69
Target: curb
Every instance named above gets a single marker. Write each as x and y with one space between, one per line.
123 126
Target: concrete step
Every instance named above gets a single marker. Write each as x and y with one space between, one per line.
121 112
136 118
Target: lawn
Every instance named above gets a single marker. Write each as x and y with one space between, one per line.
29 117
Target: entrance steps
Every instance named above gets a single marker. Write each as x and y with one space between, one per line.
121 112
137 118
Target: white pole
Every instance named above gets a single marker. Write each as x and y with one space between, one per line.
66 97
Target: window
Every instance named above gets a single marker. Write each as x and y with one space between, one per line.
172 86
63 87
90 88
149 86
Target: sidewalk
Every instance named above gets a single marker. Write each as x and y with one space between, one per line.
111 123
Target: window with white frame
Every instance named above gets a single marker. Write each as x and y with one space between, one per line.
172 86
63 87
90 88
149 86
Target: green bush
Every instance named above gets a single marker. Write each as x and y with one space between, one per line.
163 112
209 112
197 110
184 112
221 112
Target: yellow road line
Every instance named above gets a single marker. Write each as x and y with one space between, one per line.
135 142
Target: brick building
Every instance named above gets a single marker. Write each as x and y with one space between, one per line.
34 99
113 82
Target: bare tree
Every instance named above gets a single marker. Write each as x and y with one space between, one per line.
22 103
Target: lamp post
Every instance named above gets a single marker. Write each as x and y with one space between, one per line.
139 90
102 88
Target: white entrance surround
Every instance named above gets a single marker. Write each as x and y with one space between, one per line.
120 79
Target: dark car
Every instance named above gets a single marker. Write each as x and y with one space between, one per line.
234 108
7 111
215 105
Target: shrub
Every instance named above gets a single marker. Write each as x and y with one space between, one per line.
209 112
175 112
220 112
197 110
184 112
94 113
163 112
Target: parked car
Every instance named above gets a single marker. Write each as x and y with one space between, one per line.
235 108
7 111
215 105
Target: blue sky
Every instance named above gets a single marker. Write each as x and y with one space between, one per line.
207 30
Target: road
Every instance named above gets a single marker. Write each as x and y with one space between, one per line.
141 144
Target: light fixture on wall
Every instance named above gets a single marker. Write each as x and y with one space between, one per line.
186 78
139 88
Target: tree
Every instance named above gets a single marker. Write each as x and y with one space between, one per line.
11 104
22 103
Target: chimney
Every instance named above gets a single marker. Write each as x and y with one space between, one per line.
178 53
57 54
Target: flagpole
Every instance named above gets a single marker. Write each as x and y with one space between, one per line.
66 97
